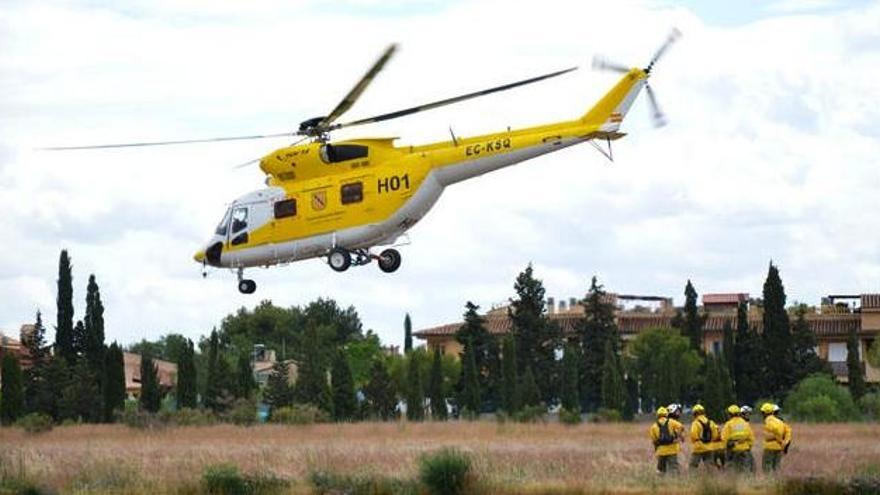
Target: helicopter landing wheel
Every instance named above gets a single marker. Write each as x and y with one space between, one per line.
247 286
339 259
389 260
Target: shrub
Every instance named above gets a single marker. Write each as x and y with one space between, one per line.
569 417
811 486
35 423
243 412
135 418
193 417
530 414
607 416
325 482
225 479
299 414
445 472
870 406
818 398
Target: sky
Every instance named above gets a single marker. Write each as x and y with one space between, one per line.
770 152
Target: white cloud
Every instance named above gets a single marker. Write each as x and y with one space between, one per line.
770 153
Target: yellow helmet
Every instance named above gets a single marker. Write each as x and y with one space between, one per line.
733 410
699 409
767 408
662 412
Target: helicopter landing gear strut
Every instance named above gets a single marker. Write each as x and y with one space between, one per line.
245 286
340 259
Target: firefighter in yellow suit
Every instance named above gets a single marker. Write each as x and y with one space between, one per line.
704 435
738 438
666 435
777 437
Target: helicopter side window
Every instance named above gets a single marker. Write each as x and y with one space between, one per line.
285 208
334 153
239 219
221 227
352 193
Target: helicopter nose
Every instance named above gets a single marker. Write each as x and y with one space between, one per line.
199 256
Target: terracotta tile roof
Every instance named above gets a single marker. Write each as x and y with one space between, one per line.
730 298
167 371
870 301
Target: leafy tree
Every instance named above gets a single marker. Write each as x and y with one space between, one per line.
596 330
510 398
530 395
613 388
665 365
64 343
170 347
11 391
693 321
407 334
380 393
415 397
819 398
361 354
805 361
151 394
187 395
537 338
570 387
245 377
777 336
748 371
470 385
114 389
278 392
311 383
855 372
435 389
38 396
342 383
80 396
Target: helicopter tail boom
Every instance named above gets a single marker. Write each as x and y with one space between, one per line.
608 113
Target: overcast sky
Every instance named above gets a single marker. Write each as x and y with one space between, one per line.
771 151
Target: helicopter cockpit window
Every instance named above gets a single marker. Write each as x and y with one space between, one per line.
334 153
239 219
221 228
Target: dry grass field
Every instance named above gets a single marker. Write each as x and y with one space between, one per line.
521 458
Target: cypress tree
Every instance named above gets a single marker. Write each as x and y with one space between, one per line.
729 346
570 386
186 377
435 389
491 393
711 397
748 371
613 389
725 383
777 336
855 372
245 383
11 391
476 343
693 321
79 340
64 344
80 396
530 394
114 390
415 397
278 391
407 334
470 389
214 383
805 361
510 382
311 383
632 398
344 400
596 331
380 393
151 395
56 380
38 396
537 338
93 341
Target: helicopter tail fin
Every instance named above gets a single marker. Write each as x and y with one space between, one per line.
609 111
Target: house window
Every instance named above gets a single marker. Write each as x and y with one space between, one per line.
352 193
837 352
716 347
285 209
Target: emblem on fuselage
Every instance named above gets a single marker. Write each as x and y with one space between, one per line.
319 200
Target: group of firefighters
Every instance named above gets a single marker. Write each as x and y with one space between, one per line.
730 444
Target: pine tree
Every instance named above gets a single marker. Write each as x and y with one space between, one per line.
114 390
11 391
37 394
64 345
415 397
311 383
597 329
80 396
151 395
380 393
245 383
537 338
407 334
187 378
777 336
435 389
510 397
570 387
344 400
748 372
855 372
470 389
530 394
278 391
805 360
693 321
613 389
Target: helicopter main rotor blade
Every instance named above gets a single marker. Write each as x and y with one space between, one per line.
670 39
166 143
358 88
449 101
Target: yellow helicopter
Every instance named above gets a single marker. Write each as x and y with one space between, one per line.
339 200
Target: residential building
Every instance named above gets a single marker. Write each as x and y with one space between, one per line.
167 374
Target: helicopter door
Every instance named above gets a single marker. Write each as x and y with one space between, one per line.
238 231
